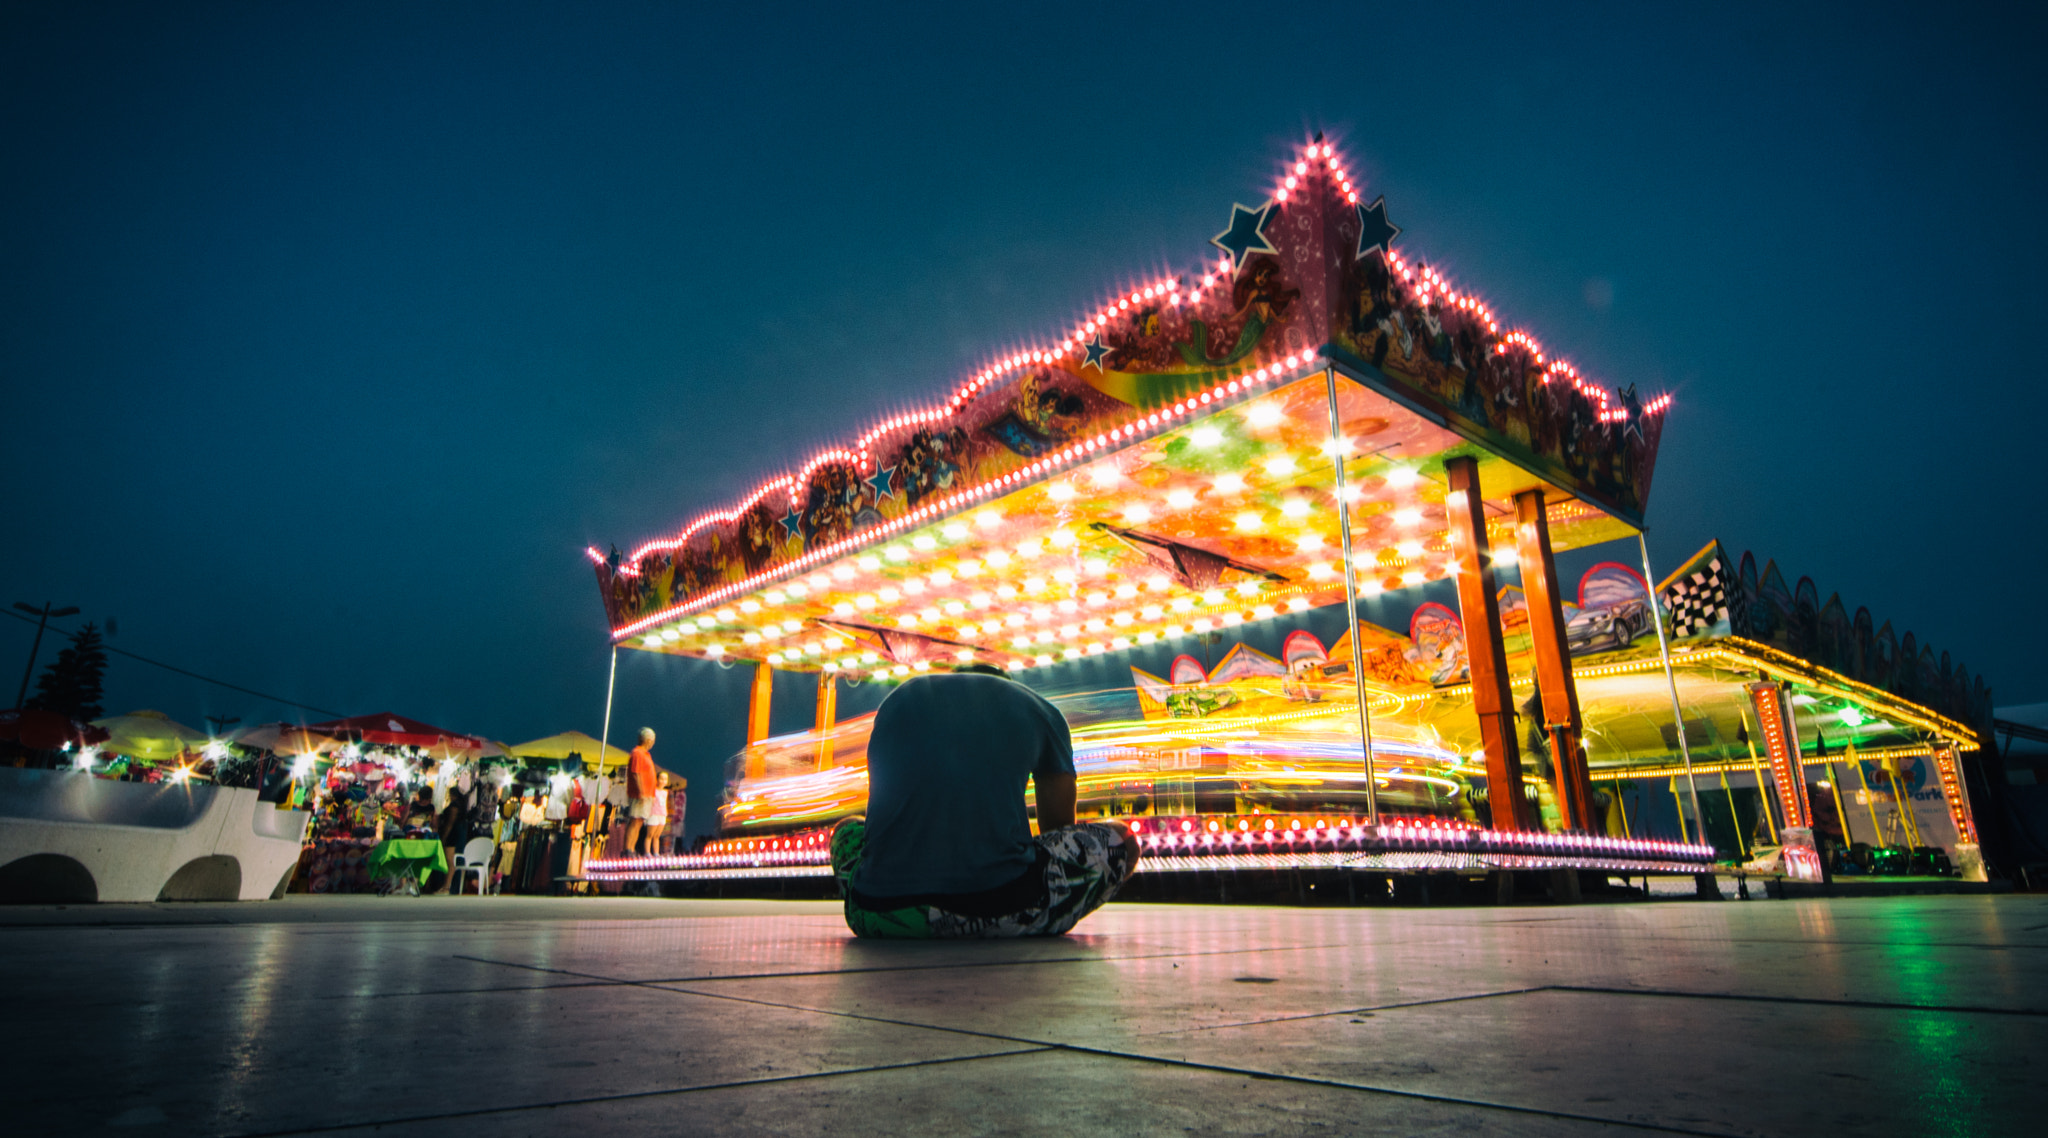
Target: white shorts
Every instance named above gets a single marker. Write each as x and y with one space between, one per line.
649 810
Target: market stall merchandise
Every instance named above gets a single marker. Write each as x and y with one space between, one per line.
378 779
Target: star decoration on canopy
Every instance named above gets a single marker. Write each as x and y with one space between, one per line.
883 482
1374 230
792 522
1632 413
1246 235
1094 352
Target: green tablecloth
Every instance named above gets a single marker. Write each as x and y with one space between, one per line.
418 856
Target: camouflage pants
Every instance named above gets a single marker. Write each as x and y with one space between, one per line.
1085 864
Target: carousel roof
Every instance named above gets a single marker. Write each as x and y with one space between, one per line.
1165 466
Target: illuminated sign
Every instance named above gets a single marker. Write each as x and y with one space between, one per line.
1783 746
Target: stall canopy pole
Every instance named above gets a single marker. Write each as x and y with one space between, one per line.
604 741
1671 678
1338 448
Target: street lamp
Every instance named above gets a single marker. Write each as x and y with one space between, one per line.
43 616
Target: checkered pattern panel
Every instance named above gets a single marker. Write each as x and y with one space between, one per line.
1698 600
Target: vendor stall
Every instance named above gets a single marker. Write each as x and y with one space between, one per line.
384 788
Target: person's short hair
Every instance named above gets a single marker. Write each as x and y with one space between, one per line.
980 669
647 732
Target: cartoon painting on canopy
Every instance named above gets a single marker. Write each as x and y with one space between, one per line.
1304 657
1438 651
1387 658
1244 662
1188 693
1614 609
1187 670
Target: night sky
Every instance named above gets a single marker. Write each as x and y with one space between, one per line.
330 337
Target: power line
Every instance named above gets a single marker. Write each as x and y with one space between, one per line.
197 676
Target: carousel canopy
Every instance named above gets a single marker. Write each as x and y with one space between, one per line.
148 735
1166 465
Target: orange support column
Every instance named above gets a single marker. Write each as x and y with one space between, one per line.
828 714
758 703
1553 661
1480 609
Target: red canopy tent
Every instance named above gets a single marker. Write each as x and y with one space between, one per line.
392 730
47 730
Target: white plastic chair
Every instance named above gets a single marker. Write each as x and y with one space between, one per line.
474 858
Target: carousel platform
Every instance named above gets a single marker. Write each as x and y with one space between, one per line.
622 1016
1209 845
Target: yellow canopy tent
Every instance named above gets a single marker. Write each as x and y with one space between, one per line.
570 743
148 735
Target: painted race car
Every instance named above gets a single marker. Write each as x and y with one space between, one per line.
1607 627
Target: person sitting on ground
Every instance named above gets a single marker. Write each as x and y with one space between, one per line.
640 790
946 848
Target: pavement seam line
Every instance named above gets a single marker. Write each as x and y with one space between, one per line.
669 987
1365 1088
931 967
1878 1005
625 1096
1366 1008
465 991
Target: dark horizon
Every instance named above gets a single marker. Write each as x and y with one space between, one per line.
333 337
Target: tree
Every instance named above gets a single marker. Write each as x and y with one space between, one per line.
71 685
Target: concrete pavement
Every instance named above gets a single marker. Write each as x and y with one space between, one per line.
513 1016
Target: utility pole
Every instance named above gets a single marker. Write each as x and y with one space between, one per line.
221 723
43 616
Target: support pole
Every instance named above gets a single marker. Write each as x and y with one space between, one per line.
1339 447
1492 701
758 703
1670 678
1902 805
604 742
1734 816
1764 790
828 714
1835 787
1869 802
1553 661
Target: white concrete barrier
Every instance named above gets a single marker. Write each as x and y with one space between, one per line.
67 836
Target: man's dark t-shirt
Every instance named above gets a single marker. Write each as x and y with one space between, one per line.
947 765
